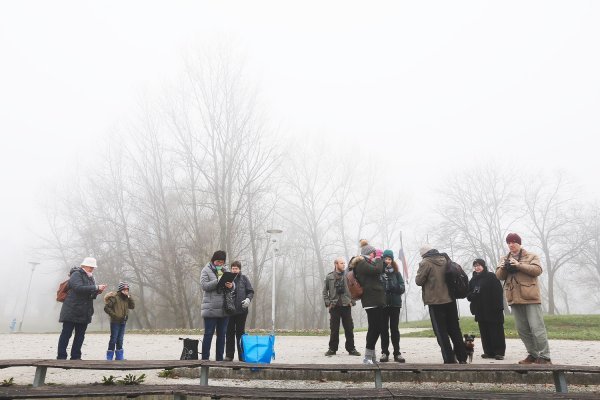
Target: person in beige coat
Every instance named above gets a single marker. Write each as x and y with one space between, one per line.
519 270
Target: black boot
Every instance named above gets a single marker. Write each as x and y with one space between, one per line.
384 357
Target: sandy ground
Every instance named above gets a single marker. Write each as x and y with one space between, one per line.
289 349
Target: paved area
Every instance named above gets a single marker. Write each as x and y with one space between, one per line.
289 349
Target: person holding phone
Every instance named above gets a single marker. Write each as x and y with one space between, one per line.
244 293
213 312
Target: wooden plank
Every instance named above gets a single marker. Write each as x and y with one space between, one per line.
118 365
271 393
170 364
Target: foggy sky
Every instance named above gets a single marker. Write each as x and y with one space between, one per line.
425 87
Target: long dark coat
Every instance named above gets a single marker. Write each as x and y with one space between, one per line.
78 306
486 297
243 290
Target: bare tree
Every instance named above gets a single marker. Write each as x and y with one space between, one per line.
477 207
555 222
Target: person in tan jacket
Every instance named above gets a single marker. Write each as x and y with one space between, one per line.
519 270
443 311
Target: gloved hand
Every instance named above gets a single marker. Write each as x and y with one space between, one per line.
245 303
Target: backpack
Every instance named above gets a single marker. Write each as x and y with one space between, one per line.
63 290
456 279
356 290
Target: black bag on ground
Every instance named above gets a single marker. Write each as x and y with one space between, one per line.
456 279
190 349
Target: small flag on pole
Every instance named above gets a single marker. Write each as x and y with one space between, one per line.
402 258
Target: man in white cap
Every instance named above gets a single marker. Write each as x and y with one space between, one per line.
78 308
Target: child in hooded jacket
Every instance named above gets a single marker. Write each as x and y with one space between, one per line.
117 307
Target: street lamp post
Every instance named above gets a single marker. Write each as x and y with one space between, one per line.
274 233
33 265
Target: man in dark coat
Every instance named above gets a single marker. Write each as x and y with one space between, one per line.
78 308
244 293
486 297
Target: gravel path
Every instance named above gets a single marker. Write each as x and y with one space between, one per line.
289 349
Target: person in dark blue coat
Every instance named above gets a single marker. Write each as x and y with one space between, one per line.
78 308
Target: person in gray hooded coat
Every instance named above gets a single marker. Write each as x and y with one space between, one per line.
213 311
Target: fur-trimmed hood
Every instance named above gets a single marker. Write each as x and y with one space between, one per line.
354 261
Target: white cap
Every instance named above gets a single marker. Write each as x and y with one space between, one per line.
424 249
89 262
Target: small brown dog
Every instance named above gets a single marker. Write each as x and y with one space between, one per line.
470 346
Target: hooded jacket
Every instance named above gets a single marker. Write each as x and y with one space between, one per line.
118 306
369 277
243 290
78 306
431 276
485 295
522 287
213 299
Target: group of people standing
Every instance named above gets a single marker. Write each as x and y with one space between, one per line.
78 308
228 322
225 307
383 286
519 270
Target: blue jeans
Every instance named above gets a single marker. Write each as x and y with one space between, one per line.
209 329
117 331
65 336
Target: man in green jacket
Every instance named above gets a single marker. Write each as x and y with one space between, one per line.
339 302
117 307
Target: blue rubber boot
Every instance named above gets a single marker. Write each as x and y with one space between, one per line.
109 355
119 355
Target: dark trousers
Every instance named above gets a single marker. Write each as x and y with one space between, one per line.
336 314
210 324
65 336
375 322
235 329
444 320
117 332
492 338
391 319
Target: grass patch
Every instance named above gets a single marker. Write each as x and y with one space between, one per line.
567 327
564 327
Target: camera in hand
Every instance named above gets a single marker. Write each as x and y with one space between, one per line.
511 269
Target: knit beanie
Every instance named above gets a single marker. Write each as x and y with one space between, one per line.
123 286
513 238
218 255
367 250
388 253
424 249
